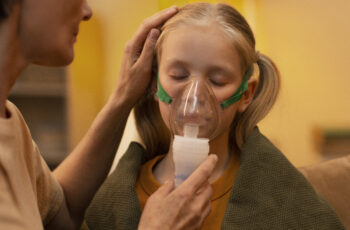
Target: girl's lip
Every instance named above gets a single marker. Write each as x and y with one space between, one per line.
198 122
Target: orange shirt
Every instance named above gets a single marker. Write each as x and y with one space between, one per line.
146 185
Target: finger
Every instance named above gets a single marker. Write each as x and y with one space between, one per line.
197 223
200 175
204 200
147 54
165 189
152 22
206 212
204 186
199 210
205 196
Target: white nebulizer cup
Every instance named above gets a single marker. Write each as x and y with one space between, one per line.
188 154
194 119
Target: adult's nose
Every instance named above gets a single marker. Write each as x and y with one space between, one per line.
87 11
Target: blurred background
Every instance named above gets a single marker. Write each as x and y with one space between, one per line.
309 40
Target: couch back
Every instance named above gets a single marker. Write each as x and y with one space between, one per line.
332 180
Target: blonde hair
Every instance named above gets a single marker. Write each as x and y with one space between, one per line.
149 123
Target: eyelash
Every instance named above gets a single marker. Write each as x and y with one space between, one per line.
178 77
183 77
217 83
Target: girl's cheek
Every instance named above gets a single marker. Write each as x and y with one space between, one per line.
224 92
164 112
227 116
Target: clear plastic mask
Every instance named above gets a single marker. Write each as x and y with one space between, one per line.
195 111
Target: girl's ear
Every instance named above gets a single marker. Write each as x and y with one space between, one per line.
248 95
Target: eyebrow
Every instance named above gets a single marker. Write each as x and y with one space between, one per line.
214 68
226 72
176 63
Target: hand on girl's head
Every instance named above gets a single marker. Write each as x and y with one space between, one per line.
136 69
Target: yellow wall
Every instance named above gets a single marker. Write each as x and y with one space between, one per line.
120 20
99 52
238 4
307 39
86 83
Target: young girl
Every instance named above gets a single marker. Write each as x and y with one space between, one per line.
254 185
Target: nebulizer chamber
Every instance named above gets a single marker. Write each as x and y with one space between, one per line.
193 120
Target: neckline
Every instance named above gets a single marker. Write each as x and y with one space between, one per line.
221 186
9 107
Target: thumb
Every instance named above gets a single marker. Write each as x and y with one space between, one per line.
147 53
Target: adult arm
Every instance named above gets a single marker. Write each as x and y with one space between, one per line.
85 169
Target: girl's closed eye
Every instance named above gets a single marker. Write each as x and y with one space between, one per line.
178 77
218 80
217 83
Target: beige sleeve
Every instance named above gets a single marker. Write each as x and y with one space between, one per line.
49 192
10 213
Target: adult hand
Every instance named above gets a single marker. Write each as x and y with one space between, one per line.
136 69
184 207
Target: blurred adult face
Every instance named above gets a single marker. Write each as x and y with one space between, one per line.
48 29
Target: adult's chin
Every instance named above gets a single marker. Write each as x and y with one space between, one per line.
56 59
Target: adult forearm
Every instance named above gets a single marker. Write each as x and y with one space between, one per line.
85 169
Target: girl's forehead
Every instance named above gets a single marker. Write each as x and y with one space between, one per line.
206 36
199 44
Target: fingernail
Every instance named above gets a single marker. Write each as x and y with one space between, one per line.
173 9
214 156
154 34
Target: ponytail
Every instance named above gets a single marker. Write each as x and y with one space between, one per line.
264 98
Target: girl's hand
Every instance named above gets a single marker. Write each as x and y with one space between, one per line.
184 207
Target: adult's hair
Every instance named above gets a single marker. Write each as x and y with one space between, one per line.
150 125
5 6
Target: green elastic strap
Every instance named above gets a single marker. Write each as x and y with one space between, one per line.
164 97
161 94
239 92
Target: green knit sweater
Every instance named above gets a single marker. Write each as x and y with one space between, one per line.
268 193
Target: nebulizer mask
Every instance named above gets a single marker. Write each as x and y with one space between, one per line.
194 119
